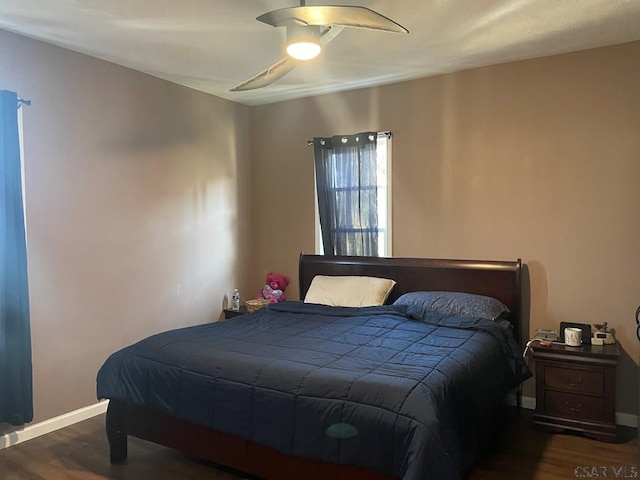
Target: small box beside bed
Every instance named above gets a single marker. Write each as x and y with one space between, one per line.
312 391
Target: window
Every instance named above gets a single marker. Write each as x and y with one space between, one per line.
353 186
21 142
383 155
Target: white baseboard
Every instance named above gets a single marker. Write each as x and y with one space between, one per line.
627 419
32 431
527 402
624 419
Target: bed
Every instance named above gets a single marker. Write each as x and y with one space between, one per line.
315 392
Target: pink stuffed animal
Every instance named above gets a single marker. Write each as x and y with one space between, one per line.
275 287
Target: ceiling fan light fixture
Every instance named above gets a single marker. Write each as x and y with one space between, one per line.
303 41
305 26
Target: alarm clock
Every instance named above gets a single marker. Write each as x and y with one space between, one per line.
602 335
602 338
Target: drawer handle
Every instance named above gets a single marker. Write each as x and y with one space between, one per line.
577 383
573 409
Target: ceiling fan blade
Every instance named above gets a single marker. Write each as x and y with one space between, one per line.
329 34
346 16
281 68
268 76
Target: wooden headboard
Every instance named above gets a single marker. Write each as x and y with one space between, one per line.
498 279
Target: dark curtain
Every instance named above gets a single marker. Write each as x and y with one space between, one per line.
16 395
346 180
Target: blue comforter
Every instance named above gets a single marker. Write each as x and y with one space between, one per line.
398 390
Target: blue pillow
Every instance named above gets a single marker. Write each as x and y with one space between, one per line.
455 303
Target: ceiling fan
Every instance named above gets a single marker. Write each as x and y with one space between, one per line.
309 28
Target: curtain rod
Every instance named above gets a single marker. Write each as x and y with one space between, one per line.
386 134
22 101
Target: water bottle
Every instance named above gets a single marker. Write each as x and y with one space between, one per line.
235 300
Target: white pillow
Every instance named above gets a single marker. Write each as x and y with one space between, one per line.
349 291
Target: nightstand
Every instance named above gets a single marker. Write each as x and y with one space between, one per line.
228 313
576 389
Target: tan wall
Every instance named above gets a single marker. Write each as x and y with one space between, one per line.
136 202
537 159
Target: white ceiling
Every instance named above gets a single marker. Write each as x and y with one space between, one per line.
211 45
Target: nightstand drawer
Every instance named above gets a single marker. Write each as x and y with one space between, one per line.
572 405
571 380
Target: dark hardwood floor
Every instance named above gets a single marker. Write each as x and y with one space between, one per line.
523 452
